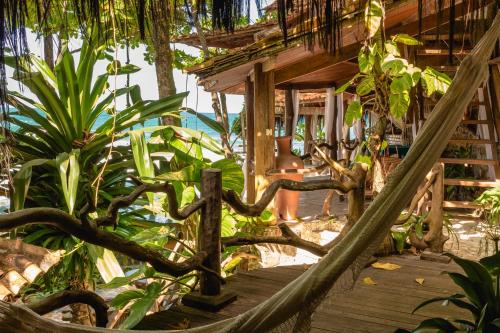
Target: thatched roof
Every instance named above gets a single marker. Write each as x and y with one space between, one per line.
21 263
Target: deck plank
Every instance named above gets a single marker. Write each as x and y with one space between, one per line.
383 307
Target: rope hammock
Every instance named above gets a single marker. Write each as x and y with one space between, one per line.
290 309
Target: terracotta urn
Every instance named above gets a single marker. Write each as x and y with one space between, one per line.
286 202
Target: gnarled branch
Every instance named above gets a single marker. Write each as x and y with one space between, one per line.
66 297
111 217
92 234
288 238
240 207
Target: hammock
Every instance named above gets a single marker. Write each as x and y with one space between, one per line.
290 309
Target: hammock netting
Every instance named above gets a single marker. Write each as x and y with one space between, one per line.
292 308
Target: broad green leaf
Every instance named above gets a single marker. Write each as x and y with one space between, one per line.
69 173
394 66
347 84
216 126
365 62
143 162
232 174
406 39
366 86
125 297
139 309
442 325
354 112
187 174
363 159
435 81
188 196
392 48
399 103
21 182
401 84
374 12
492 264
400 240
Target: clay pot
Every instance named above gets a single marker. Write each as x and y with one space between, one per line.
286 202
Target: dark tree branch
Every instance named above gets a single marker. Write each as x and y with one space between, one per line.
96 236
288 238
240 207
66 297
111 217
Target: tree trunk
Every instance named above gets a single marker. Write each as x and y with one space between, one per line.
164 61
48 50
219 105
376 140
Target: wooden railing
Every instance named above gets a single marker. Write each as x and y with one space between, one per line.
206 260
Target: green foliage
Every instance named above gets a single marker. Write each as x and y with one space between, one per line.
384 74
479 296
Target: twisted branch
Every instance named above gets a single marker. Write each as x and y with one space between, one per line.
111 217
288 238
67 297
92 234
233 199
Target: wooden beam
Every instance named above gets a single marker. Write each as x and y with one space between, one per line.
288 112
264 126
324 60
250 120
306 85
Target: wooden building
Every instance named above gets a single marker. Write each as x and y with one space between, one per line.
272 74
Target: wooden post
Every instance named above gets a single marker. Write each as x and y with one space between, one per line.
307 133
209 229
210 296
250 120
288 112
264 126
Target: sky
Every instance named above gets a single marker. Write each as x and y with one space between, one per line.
198 99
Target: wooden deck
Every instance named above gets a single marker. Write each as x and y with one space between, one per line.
383 307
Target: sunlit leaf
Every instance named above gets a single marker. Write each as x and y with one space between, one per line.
354 112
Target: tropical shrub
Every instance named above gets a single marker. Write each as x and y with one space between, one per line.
480 296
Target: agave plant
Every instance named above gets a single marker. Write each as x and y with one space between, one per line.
480 296
60 129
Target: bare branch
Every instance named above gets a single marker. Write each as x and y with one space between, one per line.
288 238
111 217
255 210
335 165
66 297
96 236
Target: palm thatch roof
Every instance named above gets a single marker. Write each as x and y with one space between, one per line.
21 264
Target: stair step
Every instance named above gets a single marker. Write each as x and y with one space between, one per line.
470 141
444 36
466 161
474 122
440 52
469 182
461 204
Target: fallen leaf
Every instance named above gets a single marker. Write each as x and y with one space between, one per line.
420 281
368 281
385 265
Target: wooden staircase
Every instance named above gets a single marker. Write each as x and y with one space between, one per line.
486 130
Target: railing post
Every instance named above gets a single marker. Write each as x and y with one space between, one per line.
209 230
211 296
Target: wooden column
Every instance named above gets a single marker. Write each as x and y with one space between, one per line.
264 126
307 133
211 296
288 112
209 229
250 167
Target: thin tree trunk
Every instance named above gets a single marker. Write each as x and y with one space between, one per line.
219 105
164 60
48 50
